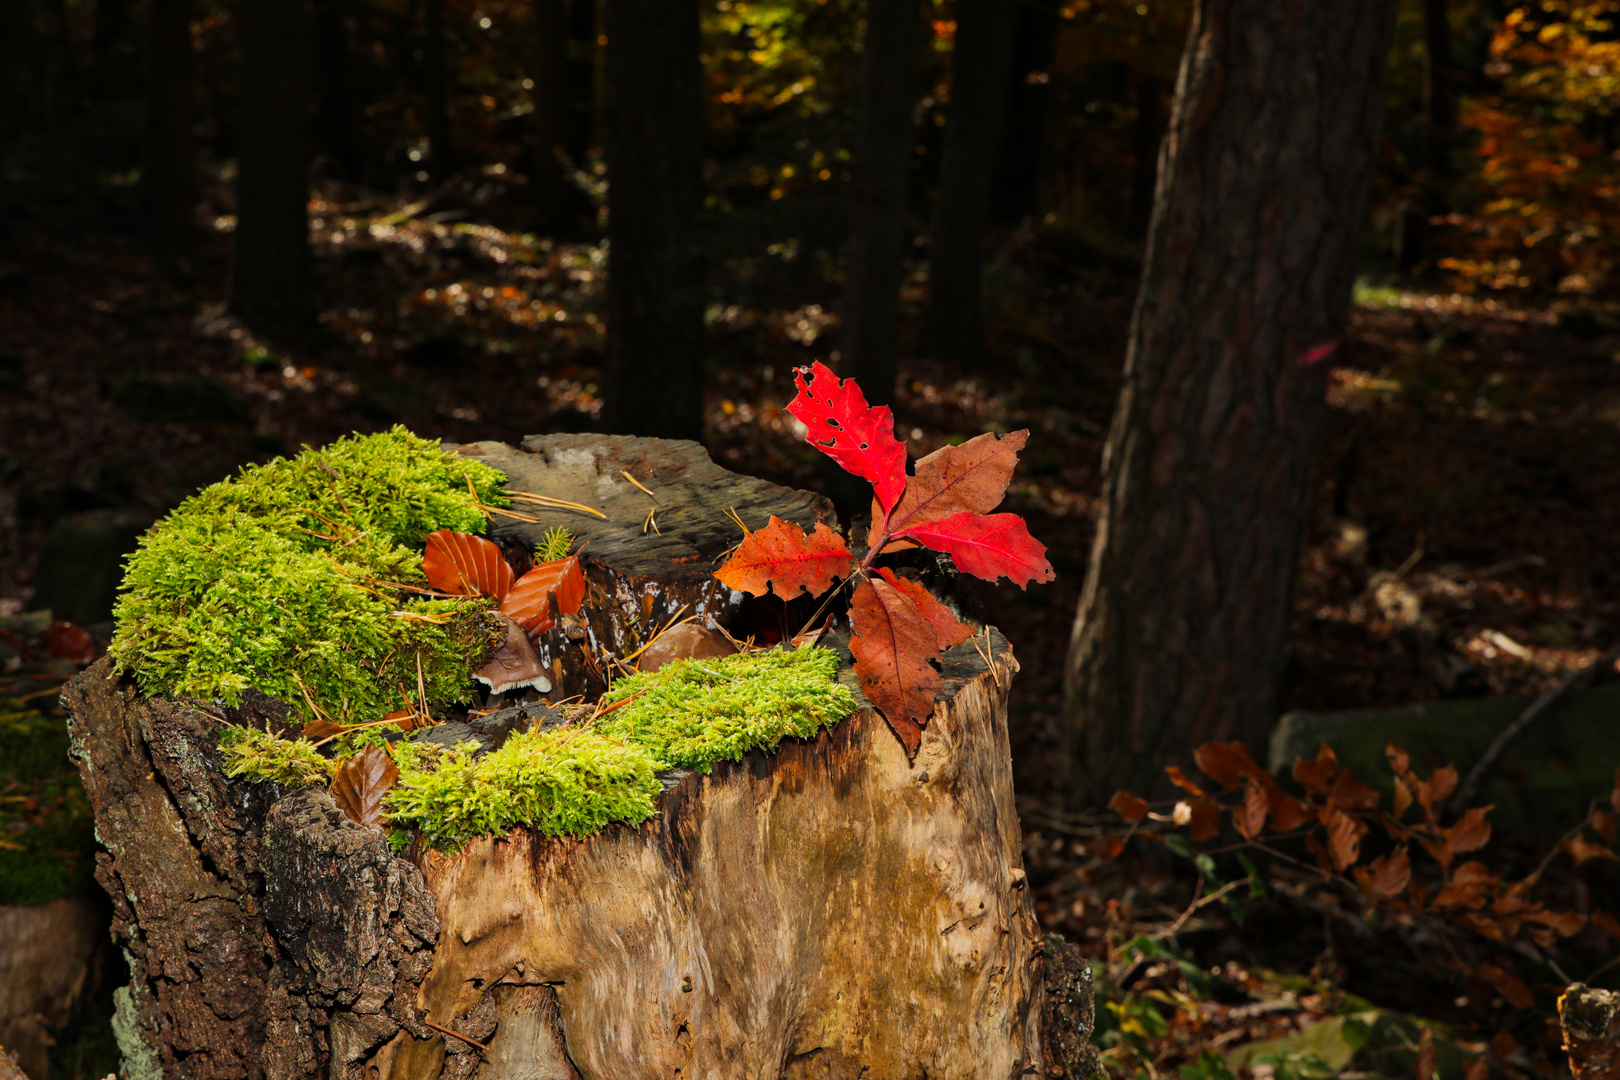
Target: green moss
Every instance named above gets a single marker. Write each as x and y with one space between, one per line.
258 755
288 577
695 712
47 839
563 782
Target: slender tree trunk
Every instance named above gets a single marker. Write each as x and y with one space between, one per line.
984 32
656 288
335 134
270 267
1029 92
169 174
1182 630
441 156
1440 122
877 239
585 80
552 202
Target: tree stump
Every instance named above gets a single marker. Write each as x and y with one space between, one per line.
829 910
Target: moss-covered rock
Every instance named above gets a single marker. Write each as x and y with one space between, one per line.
297 577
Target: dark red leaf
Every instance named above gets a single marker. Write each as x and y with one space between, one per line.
360 784
71 642
781 558
1206 820
972 477
465 565
892 644
948 629
988 546
858 436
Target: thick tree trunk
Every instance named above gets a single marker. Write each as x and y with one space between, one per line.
554 200
830 910
1182 630
1440 123
656 286
983 52
441 155
270 261
169 174
875 262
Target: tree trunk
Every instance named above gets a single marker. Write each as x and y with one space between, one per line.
335 133
554 197
441 155
1182 629
169 175
1440 124
270 262
829 910
875 264
1029 91
983 52
656 285
1146 135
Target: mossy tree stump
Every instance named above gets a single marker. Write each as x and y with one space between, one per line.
830 910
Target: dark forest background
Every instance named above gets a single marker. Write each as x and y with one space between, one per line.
231 229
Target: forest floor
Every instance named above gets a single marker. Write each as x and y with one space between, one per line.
1462 541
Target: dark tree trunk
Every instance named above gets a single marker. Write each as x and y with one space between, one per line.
1147 133
584 77
875 264
1182 630
1440 124
169 174
1029 91
441 156
553 201
270 266
335 133
656 287
113 50
984 32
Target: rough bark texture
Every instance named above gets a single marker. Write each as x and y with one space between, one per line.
830 910
1182 629
48 957
875 262
1591 1022
270 256
169 168
656 288
983 53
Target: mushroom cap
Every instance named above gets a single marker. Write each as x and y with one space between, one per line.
515 664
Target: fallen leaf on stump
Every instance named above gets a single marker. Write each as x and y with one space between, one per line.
894 641
781 558
465 565
360 784
529 602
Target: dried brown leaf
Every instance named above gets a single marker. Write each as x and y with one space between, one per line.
971 477
1249 817
360 784
1130 807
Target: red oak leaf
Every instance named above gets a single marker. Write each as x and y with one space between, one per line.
972 477
987 546
529 602
948 629
465 565
858 436
893 642
781 556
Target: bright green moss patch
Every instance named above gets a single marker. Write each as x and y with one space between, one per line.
693 713
288 577
563 782
258 755
47 840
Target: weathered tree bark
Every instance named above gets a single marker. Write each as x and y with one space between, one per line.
875 261
169 172
656 284
270 259
983 52
1182 629
1591 1023
830 910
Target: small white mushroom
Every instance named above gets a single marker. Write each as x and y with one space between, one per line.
514 665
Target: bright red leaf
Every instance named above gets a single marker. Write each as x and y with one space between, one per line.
529 603
970 478
782 558
858 436
987 546
465 565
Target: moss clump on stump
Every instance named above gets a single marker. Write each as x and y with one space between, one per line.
296 577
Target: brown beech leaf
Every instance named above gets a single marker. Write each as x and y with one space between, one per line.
1229 764
1566 923
1604 824
972 477
1467 887
1132 808
1477 1069
1286 812
1315 776
1399 760
780 558
360 784
71 642
1614 796
1344 835
1320 850
1387 875
1510 986
1206 820
1352 794
1482 924
1437 788
1179 778
1249 817
1111 848
1582 850
1403 798
465 565
892 644
948 629
529 603
1471 832
1425 1060
1440 853
1606 923
321 730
